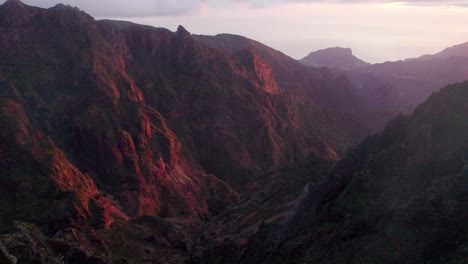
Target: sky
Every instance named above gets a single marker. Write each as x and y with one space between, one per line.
376 30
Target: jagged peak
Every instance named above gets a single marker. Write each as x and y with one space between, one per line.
182 30
334 57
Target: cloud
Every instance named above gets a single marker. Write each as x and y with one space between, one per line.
145 8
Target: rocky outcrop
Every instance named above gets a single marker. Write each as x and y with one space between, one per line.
123 143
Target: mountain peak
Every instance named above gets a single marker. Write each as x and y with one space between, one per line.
13 3
182 30
336 57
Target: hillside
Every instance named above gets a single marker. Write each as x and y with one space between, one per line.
400 196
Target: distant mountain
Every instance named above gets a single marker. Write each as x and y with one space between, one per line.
449 65
401 85
460 50
447 70
340 58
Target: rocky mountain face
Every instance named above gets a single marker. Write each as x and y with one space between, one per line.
116 120
340 58
400 196
84 131
124 143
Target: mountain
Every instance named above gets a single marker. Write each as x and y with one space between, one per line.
121 120
400 196
460 50
326 102
341 58
125 143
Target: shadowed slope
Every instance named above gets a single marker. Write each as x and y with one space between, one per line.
400 196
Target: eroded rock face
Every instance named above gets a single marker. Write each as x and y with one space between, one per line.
84 131
141 117
256 64
39 183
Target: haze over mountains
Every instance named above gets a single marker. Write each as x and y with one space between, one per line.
125 143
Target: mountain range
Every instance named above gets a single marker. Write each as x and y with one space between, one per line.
126 143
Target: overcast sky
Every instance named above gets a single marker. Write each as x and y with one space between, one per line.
377 30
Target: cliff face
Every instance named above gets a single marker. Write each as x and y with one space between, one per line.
111 127
38 182
399 86
73 96
140 115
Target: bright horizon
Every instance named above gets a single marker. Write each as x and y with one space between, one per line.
377 31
